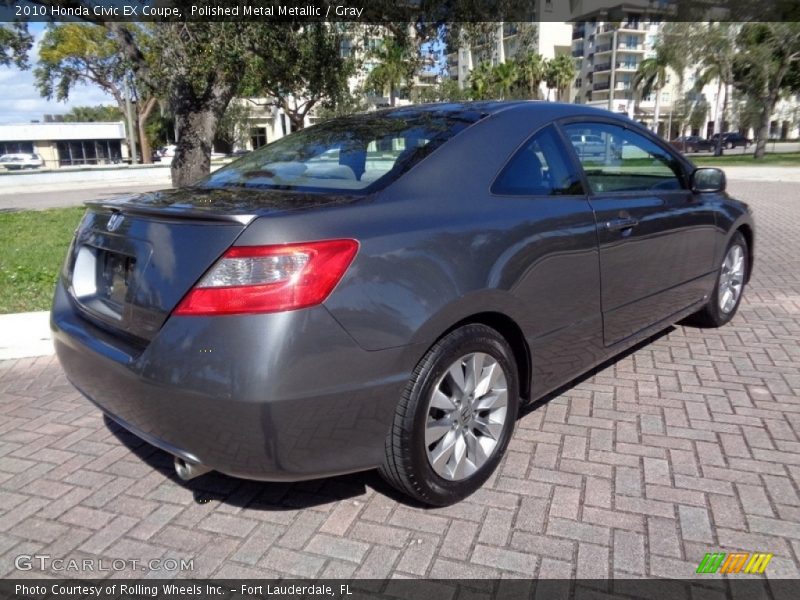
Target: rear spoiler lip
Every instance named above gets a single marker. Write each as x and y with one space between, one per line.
163 212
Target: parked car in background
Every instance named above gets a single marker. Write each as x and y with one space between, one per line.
16 162
732 139
380 291
692 143
592 145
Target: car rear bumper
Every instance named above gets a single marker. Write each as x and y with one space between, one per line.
276 397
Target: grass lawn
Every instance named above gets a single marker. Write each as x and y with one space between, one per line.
733 157
32 248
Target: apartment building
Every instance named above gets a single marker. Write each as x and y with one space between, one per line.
608 47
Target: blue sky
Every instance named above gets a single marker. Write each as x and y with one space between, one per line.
20 101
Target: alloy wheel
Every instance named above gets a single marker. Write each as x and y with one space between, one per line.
466 414
731 278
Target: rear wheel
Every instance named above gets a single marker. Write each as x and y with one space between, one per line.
455 419
728 291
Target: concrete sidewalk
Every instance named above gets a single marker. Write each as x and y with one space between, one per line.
25 335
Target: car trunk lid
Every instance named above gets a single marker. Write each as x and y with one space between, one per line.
133 259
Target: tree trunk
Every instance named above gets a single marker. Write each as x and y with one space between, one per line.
192 159
391 94
196 119
144 143
297 119
767 107
657 111
718 121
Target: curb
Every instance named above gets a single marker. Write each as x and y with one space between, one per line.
25 335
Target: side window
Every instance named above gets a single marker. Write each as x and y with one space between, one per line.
538 169
616 159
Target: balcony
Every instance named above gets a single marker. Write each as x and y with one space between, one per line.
577 52
578 33
621 66
601 86
630 47
621 46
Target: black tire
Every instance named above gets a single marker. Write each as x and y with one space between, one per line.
729 145
711 315
406 465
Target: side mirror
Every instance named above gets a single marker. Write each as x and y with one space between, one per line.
708 179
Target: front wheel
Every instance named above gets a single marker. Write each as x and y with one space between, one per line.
455 419
728 291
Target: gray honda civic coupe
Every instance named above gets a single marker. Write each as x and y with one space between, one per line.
387 290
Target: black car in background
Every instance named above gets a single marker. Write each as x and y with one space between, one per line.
692 143
730 140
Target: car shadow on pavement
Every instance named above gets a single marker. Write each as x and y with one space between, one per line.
259 495
532 406
283 496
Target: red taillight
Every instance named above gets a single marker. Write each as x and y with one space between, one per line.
261 279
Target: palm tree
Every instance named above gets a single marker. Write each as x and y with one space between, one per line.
716 63
559 74
505 77
651 76
653 73
395 66
481 81
532 68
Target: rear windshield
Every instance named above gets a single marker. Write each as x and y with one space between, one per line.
356 154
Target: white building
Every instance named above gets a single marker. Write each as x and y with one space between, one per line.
609 44
608 47
550 39
66 144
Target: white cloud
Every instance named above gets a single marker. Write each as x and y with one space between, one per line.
20 101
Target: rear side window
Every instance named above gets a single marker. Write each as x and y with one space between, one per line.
616 159
538 169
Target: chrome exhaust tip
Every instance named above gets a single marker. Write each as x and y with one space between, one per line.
189 470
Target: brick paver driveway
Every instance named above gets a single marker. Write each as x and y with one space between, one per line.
687 445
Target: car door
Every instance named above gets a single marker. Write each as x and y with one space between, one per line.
655 236
553 263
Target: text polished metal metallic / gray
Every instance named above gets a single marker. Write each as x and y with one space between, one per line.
385 290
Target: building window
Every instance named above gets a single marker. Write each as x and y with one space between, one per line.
89 152
258 137
16 147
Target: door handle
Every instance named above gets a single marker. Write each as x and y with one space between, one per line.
620 224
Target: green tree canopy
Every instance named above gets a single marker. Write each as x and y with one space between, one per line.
89 114
559 74
73 54
15 43
767 65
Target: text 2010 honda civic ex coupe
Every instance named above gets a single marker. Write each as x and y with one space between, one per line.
386 290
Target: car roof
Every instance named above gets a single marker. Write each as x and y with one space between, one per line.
487 107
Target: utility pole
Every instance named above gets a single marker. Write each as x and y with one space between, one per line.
131 132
